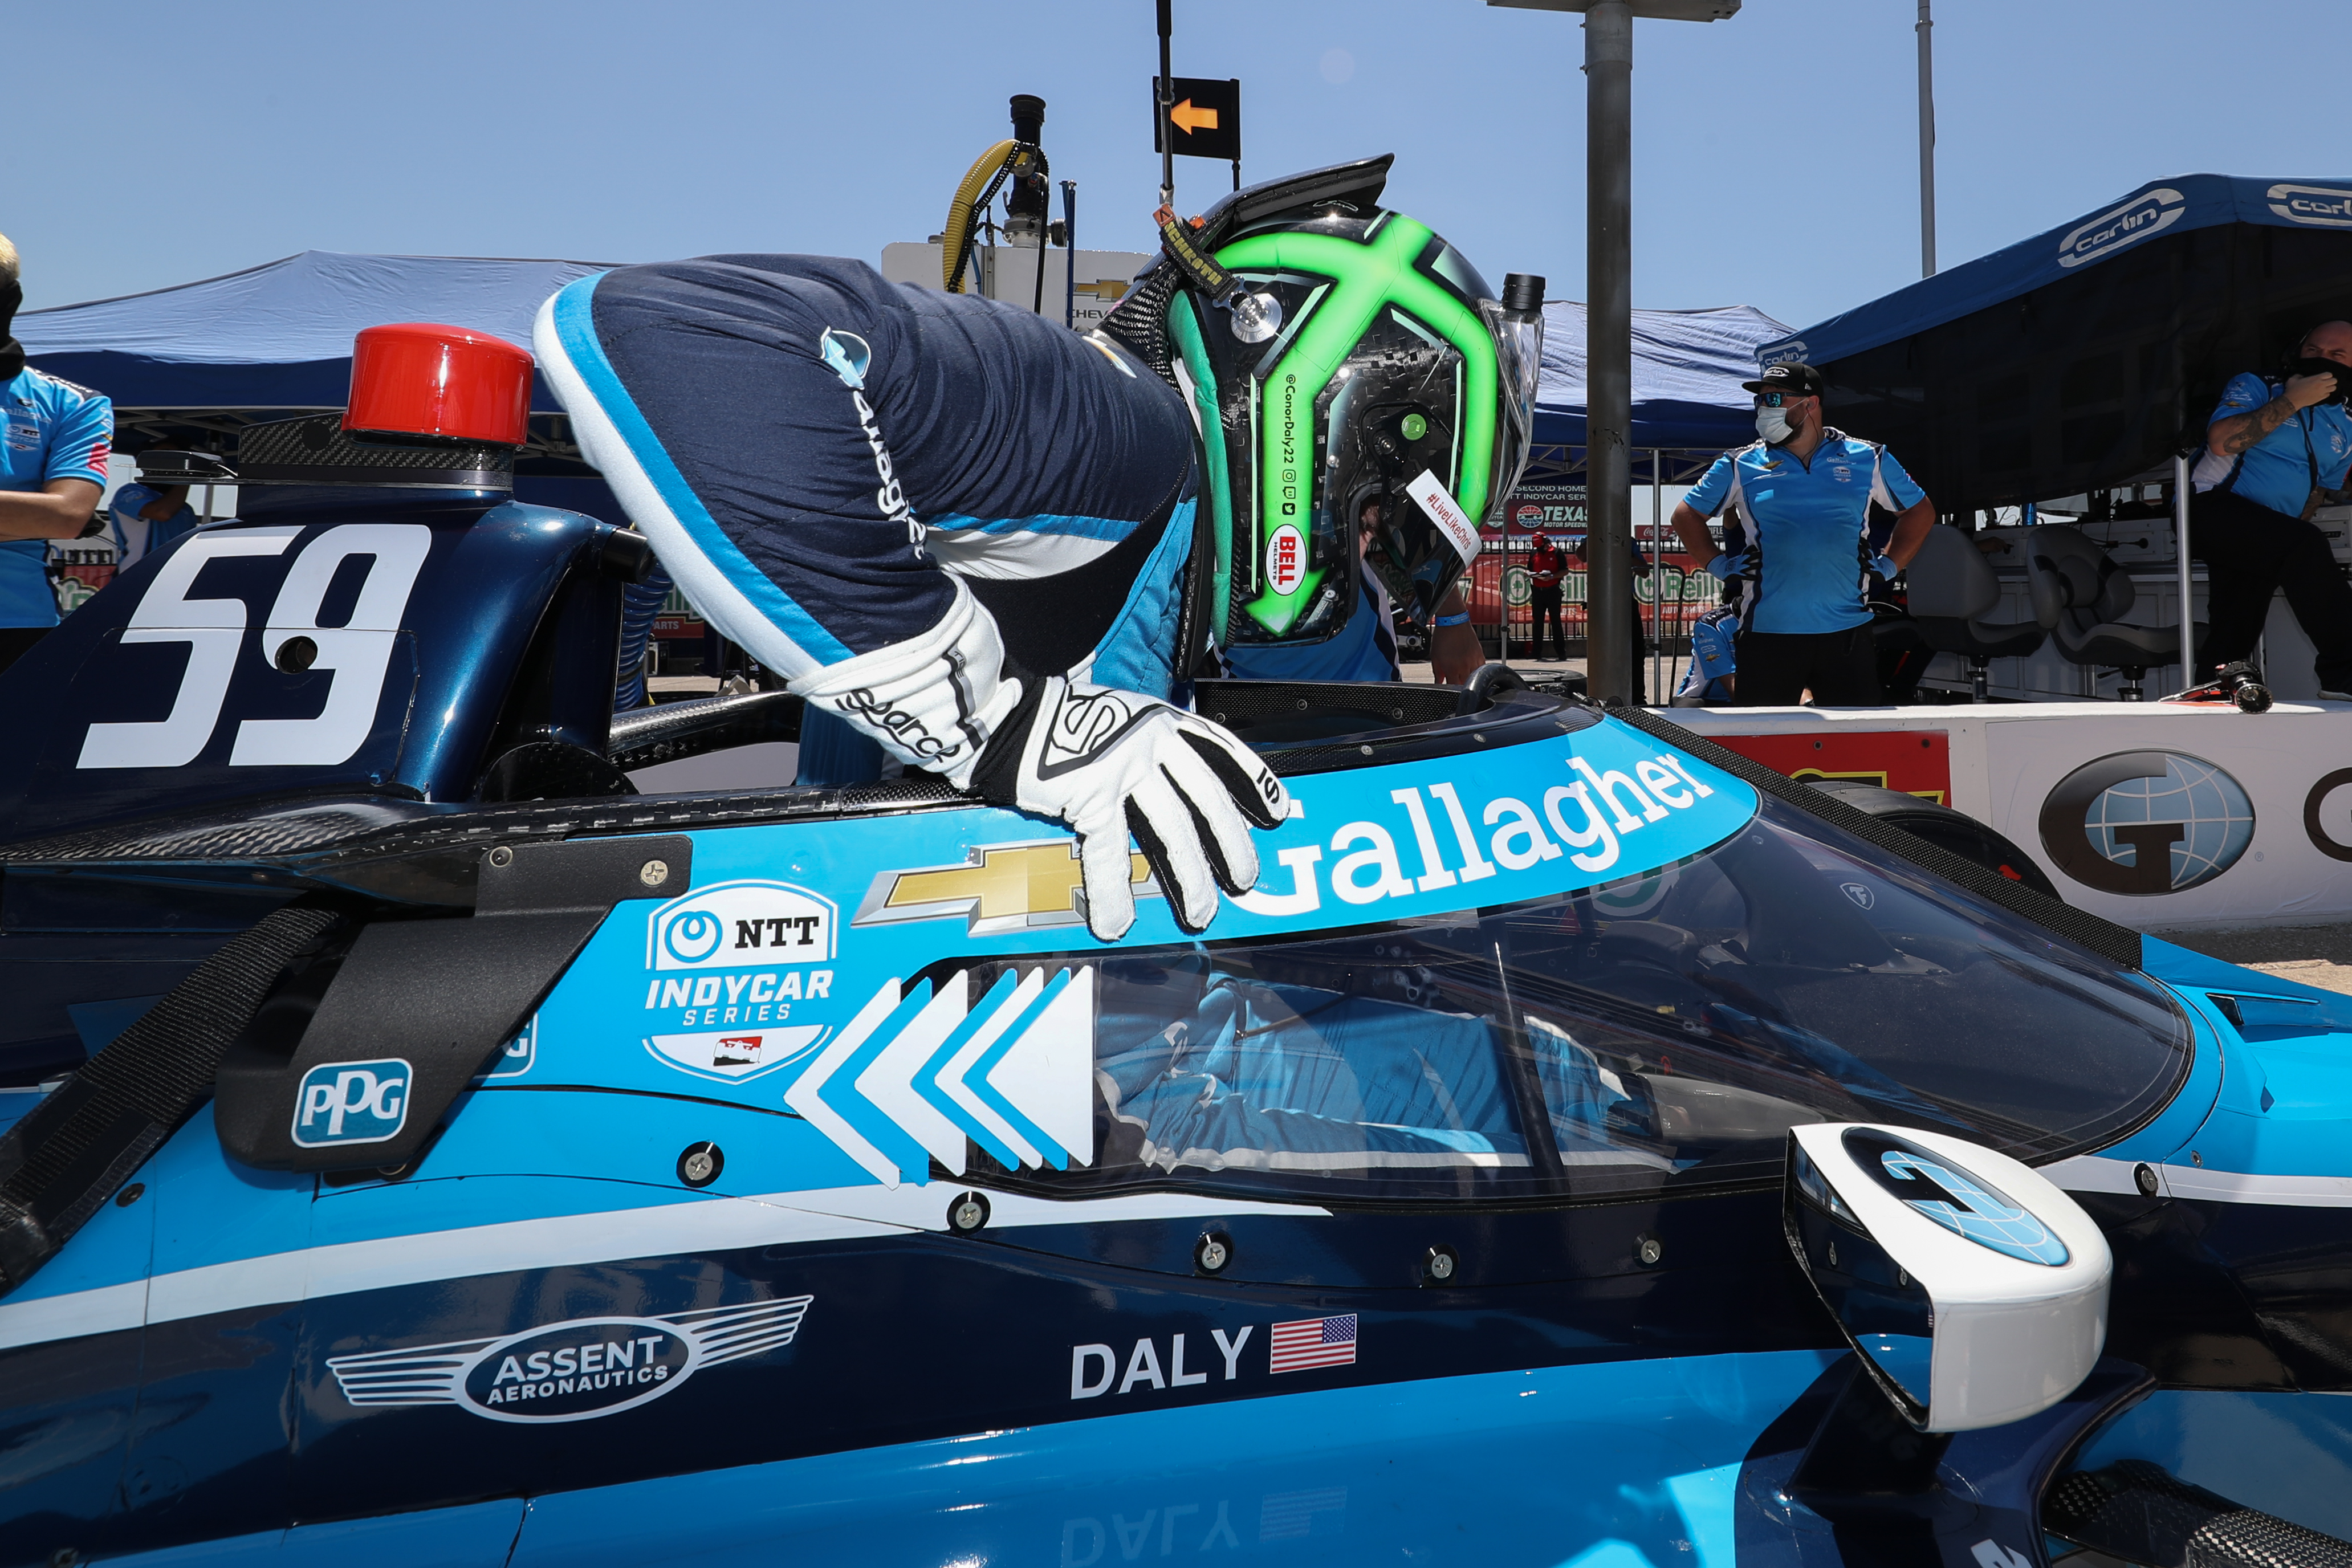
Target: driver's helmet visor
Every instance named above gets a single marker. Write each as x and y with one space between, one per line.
1518 349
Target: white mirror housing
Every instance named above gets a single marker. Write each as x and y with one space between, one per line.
1974 1290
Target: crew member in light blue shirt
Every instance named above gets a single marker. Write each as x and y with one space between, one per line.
52 472
1803 496
2272 446
149 516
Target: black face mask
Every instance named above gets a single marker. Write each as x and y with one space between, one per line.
2343 374
12 353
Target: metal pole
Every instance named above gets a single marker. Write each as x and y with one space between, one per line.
1167 133
1070 253
1926 143
2180 494
1657 589
1609 375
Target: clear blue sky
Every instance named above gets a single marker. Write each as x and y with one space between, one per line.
1775 161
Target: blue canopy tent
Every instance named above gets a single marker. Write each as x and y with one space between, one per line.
2080 358
1688 404
277 337
193 363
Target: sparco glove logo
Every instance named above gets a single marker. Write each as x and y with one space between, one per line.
1087 724
573 1370
2146 822
2149 213
736 924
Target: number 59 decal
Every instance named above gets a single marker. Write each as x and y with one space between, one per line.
357 653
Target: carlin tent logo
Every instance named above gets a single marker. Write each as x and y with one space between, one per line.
2146 822
2149 213
2327 205
736 924
573 1370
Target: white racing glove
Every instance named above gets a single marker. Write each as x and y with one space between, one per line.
1109 763
1106 762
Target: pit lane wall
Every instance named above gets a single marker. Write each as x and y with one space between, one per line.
2156 816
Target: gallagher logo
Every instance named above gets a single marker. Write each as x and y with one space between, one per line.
2146 822
1285 558
739 923
2150 212
344 1102
2311 204
573 1370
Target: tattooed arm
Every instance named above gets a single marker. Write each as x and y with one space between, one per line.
2228 438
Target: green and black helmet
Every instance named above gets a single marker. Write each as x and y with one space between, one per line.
1362 395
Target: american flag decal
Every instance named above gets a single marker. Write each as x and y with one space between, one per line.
1314 1341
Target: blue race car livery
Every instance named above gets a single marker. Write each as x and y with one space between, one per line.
1580 1147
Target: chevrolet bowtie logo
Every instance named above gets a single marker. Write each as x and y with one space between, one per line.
1001 887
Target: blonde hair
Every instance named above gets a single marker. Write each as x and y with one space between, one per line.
7 261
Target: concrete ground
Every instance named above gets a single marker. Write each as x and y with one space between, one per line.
2316 954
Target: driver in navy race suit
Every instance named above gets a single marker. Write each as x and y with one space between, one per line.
965 534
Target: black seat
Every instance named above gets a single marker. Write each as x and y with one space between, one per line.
2081 597
1951 586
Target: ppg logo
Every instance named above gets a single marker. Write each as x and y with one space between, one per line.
351 1103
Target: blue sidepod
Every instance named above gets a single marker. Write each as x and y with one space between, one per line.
1479 1096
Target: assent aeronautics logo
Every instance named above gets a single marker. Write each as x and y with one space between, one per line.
572 1371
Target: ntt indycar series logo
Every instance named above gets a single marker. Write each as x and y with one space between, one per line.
740 924
2149 213
573 1370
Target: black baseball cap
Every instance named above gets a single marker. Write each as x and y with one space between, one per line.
1803 380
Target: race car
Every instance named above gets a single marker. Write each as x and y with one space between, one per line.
1581 1147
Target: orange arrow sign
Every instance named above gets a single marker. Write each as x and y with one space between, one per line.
1188 120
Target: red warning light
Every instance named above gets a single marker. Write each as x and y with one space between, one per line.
416 378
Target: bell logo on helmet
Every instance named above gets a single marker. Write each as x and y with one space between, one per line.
1285 558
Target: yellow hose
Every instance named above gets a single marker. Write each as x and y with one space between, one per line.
983 169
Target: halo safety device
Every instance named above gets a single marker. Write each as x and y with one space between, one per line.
1363 396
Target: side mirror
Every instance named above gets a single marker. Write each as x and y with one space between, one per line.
1974 1290
159 467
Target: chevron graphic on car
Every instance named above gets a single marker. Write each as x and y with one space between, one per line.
915 1074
